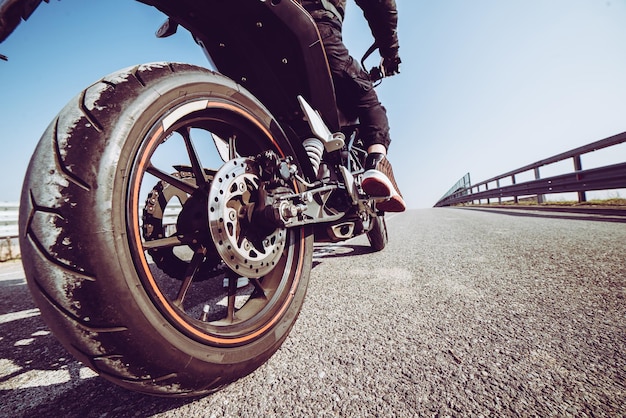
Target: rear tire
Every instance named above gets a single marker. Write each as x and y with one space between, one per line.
91 248
377 235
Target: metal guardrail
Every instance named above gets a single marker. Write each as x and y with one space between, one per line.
460 187
9 247
580 181
8 219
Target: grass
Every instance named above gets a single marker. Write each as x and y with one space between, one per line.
595 202
612 202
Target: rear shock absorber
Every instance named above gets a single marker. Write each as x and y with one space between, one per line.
314 149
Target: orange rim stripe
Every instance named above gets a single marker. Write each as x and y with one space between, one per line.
144 263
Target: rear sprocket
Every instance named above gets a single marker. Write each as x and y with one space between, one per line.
168 212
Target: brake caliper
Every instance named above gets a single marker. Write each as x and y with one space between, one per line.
277 201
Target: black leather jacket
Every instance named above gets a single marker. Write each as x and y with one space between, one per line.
382 17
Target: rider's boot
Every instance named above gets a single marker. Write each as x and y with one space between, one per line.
378 182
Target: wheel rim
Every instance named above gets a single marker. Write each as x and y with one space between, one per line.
235 291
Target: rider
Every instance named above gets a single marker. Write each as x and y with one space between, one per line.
354 89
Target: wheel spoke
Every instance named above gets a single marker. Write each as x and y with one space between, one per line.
259 292
232 295
198 171
169 242
191 272
232 153
176 182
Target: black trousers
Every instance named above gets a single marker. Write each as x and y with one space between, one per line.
355 93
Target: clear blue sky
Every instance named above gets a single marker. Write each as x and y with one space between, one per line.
486 85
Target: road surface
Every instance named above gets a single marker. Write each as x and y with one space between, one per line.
466 312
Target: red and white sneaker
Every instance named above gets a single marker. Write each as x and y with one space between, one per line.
378 182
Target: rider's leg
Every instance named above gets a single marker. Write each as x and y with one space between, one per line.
356 96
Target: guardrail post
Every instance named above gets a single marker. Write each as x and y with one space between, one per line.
537 177
498 186
578 166
514 182
8 250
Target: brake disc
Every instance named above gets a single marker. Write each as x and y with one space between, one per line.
232 199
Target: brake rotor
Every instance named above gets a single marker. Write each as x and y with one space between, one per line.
232 200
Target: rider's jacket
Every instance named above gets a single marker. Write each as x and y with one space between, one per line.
381 15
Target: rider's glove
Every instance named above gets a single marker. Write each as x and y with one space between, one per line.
391 65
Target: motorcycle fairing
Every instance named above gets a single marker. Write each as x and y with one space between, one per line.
271 47
12 12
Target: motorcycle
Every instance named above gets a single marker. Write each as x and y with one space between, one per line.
169 212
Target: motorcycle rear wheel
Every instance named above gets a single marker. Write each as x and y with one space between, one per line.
377 235
169 308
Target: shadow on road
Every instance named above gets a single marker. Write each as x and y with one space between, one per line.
39 378
327 251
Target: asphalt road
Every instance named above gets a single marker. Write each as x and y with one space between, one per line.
466 313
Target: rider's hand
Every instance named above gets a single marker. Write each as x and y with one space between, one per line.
391 65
